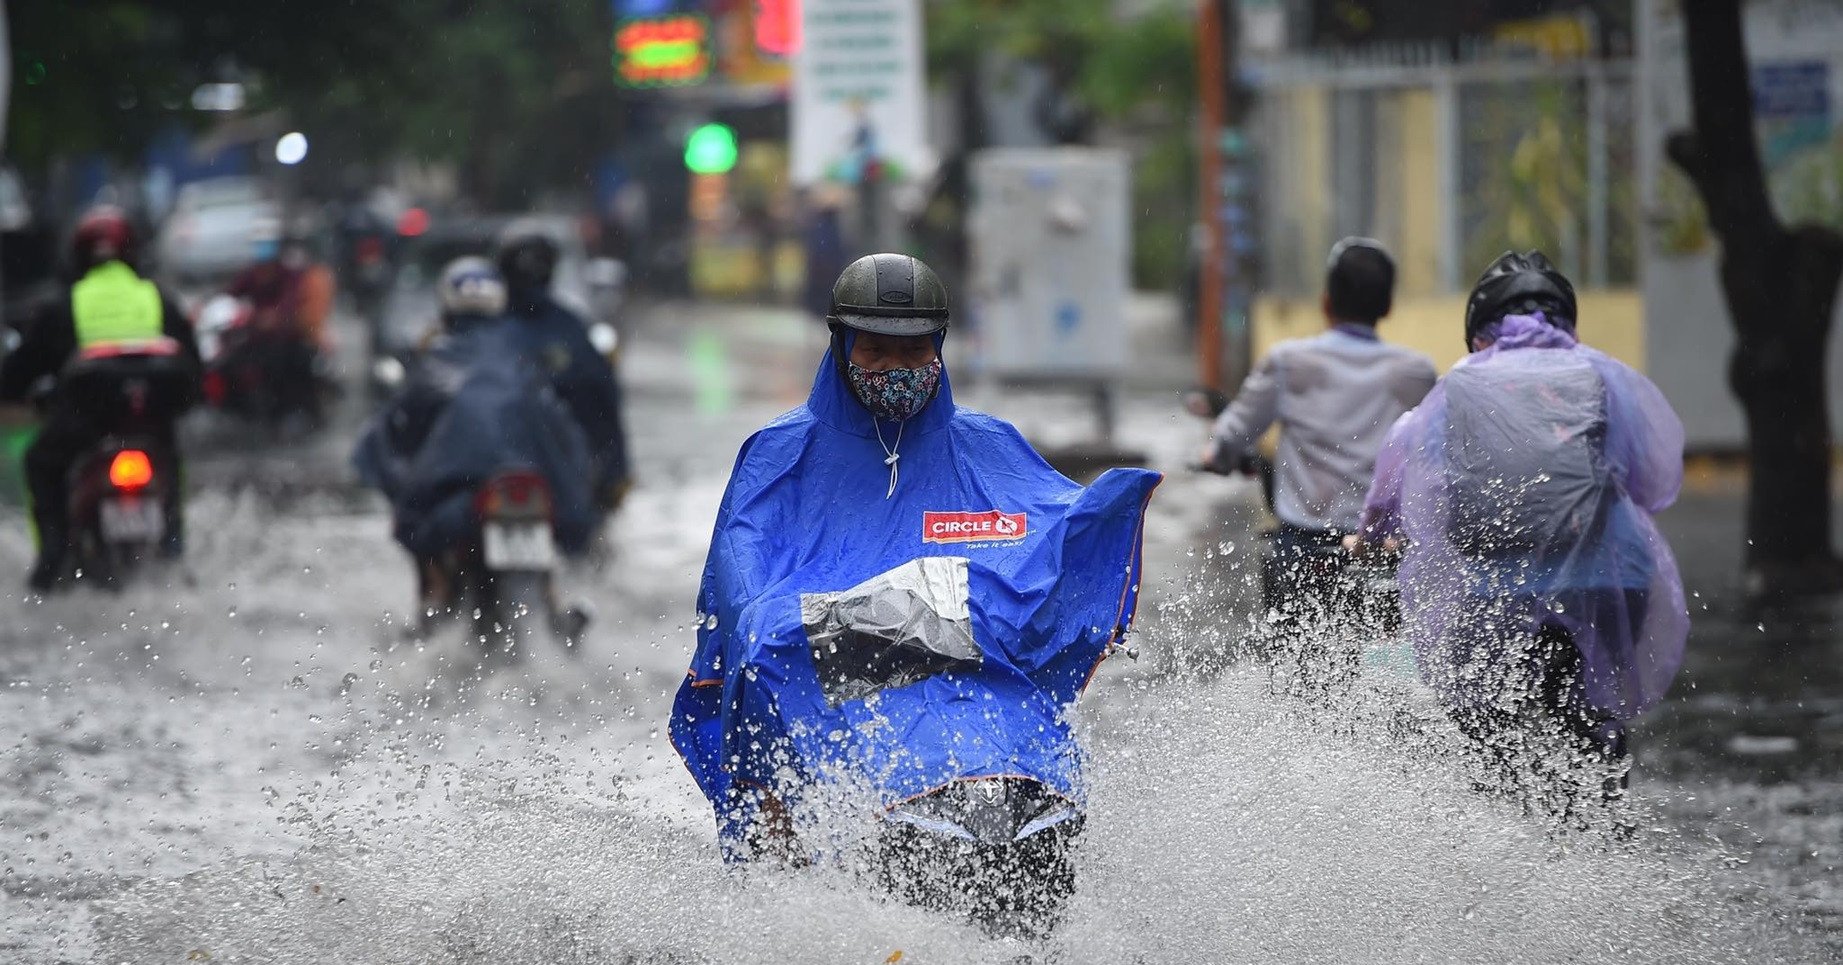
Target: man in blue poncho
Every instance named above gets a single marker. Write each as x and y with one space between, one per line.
900 594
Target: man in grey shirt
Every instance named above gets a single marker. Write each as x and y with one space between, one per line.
1335 395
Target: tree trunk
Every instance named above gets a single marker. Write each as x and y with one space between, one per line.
970 103
1780 286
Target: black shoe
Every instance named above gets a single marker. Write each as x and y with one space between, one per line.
569 625
44 576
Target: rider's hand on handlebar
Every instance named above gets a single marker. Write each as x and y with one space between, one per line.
1357 546
1214 460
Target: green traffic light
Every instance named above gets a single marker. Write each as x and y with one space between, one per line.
711 149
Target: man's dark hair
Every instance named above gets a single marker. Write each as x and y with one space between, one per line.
1359 280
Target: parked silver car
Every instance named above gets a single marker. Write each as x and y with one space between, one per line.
213 227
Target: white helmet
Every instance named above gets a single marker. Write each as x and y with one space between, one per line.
471 286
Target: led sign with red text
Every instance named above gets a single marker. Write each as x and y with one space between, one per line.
662 51
777 27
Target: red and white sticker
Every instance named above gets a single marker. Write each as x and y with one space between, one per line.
990 526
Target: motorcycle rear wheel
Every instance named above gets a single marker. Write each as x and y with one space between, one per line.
511 609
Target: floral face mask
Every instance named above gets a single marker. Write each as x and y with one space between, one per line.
896 394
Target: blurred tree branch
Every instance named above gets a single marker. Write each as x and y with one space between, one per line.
500 86
1102 63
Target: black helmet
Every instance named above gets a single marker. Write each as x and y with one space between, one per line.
889 294
1517 284
527 256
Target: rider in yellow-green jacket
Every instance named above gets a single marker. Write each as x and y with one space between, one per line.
109 310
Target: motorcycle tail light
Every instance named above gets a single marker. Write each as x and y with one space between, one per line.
130 470
214 388
514 492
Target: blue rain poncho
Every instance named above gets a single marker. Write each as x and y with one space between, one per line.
909 641
1523 487
471 409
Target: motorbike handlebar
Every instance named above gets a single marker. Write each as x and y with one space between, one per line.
1248 464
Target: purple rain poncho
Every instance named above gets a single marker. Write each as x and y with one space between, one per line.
1524 487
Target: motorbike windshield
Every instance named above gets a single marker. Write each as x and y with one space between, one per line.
891 630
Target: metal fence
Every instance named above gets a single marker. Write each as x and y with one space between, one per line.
1449 164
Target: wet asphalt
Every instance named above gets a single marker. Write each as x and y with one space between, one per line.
163 742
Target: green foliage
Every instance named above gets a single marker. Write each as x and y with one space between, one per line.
1162 183
1115 63
500 86
1150 60
1137 71
1534 195
84 75
101 75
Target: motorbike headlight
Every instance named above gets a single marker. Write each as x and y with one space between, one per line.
387 372
605 339
933 824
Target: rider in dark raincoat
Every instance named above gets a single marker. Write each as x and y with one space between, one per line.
556 339
472 408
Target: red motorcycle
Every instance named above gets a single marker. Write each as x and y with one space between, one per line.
124 494
119 509
269 377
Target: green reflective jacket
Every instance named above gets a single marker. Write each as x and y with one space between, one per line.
112 304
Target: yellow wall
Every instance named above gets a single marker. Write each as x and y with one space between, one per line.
1311 182
725 268
1612 321
1422 205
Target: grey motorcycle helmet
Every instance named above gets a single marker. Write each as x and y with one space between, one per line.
889 294
470 286
886 294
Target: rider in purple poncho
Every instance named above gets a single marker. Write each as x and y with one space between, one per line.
1523 489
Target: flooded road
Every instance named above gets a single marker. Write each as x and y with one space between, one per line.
255 765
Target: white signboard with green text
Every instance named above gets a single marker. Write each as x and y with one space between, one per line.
859 98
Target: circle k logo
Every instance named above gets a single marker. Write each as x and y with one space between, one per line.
964 527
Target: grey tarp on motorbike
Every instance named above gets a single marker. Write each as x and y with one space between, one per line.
891 630
1524 485
471 410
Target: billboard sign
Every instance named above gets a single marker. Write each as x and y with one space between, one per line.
858 92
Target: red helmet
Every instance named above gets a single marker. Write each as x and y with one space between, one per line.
103 234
